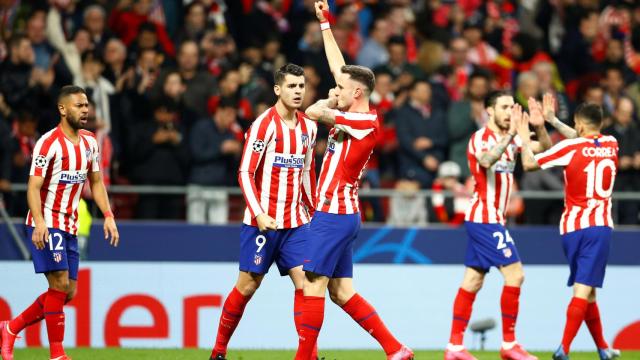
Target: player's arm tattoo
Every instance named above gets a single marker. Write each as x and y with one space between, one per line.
323 111
490 157
529 162
564 129
544 141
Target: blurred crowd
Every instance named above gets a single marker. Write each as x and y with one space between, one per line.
174 84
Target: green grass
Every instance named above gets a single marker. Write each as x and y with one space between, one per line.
179 354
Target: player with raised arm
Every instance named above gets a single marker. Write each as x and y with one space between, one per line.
278 180
492 154
335 225
63 159
590 163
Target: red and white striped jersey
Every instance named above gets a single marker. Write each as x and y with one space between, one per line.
64 166
277 170
493 186
590 165
350 144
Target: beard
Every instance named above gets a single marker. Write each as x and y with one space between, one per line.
74 122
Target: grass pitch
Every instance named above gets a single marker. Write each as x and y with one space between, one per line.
180 354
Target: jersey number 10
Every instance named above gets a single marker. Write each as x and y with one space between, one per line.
595 174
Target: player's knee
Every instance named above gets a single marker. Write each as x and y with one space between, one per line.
339 296
60 284
516 279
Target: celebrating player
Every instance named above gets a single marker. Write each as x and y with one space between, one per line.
492 156
63 159
590 162
277 178
335 225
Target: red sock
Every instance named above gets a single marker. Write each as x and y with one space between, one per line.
298 303
232 311
367 317
509 302
54 317
462 307
592 318
310 325
575 315
31 315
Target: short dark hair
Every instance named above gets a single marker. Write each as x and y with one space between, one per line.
492 98
362 75
70 90
590 113
291 69
227 102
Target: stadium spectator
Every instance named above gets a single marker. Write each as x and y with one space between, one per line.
194 23
200 85
528 87
97 87
465 117
401 70
422 136
615 58
549 82
173 92
625 130
94 19
217 49
613 84
450 210
71 51
214 151
374 50
480 52
36 32
461 68
20 147
115 61
160 157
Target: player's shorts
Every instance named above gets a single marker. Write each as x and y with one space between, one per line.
489 245
587 251
329 250
59 253
258 250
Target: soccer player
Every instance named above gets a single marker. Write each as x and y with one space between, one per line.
590 163
63 159
277 178
335 224
492 154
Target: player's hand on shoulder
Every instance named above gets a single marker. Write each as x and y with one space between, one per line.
40 235
266 222
111 231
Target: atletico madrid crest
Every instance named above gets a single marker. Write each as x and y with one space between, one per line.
305 140
257 259
57 257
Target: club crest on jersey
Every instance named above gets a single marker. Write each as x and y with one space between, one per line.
507 253
305 140
73 177
57 257
257 259
258 146
288 161
41 161
87 152
503 166
331 146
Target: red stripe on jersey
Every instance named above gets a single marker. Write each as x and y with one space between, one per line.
60 187
496 198
44 150
74 189
291 178
484 185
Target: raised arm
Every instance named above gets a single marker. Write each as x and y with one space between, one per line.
489 157
529 162
323 111
331 49
549 111
536 120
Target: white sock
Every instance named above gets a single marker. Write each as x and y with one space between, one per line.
509 345
454 348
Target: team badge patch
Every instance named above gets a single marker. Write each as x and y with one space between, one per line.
507 253
57 257
258 146
305 140
257 259
41 161
87 152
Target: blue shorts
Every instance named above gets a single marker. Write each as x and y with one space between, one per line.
59 253
258 250
330 248
489 245
587 251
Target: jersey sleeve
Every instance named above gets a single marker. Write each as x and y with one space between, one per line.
95 157
358 125
476 146
558 155
256 143
309 174
43 156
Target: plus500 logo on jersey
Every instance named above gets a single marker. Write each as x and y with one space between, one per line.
288 161
73 177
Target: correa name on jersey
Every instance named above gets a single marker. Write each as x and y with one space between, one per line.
73 177
288 161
